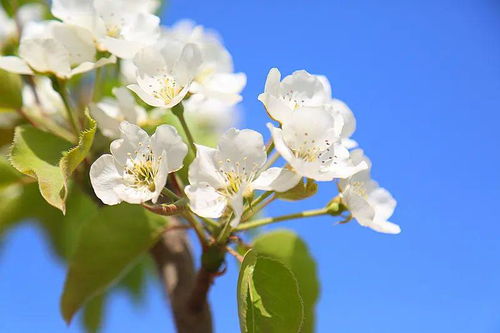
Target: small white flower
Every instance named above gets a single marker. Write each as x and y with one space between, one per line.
223 176
110 112
310 141
49 101
56 48
368 203
137 168
164 75
215 78
121 27
294 92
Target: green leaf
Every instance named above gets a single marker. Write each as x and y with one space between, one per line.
286 247
268 296
50 159
10 90
73 157
108 246
302 190
37 154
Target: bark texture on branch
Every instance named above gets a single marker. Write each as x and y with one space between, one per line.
174 260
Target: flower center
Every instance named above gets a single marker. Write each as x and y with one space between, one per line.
141 171
169 89
293 99
236 176
113 31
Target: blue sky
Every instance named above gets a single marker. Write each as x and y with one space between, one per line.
423 79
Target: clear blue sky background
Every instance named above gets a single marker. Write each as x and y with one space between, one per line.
423 78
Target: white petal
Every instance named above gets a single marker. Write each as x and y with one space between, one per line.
276 179
280 144
205 201
167 139
343 110
122 48
134 195
236 203
146 97
385 227
143 29
187 65
383 203
241 150
132 139
272 85
224 87
76 12
150 61
104 178
108 124
307 87
276 109
161 176
78 42
203 169
15 65
46 56
129 109
359 207
88 66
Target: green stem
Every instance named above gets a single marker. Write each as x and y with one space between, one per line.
97 85
165 191
60 87
210 222
255 202
224 233
178 111
269 220
198 228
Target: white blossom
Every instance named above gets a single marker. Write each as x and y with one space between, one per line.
310 141
294 92
121 27
223 176
137 168
368 203
164 75
53 47
215 78
110 112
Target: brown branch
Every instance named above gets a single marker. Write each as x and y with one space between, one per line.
174 260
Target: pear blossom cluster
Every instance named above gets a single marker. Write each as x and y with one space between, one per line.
185 70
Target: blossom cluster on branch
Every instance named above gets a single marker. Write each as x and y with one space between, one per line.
105 73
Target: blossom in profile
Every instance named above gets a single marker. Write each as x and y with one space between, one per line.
110 112
52 47
224 176
121 27
310 140
370 204
164 75
136 170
